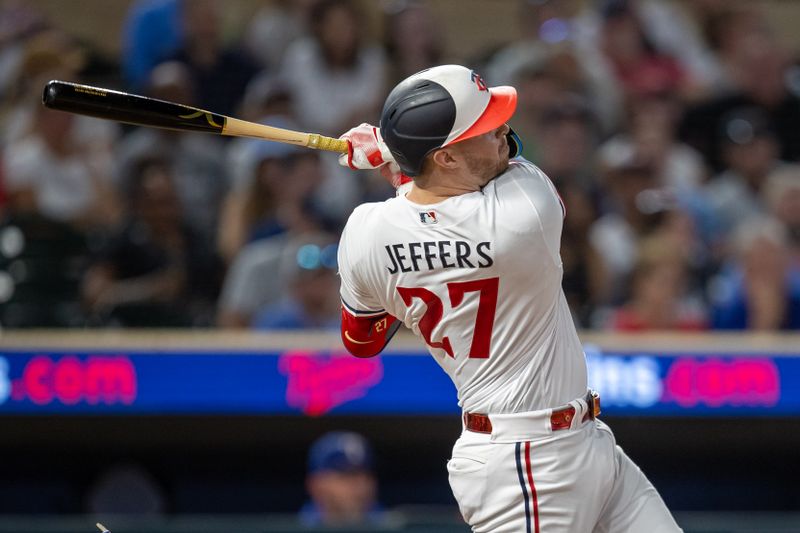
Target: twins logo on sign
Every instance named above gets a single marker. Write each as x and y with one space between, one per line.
428 217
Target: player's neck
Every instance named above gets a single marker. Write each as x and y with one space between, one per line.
434 189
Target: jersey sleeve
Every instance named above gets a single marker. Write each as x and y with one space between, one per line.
354 290
366 327
538 195
536 171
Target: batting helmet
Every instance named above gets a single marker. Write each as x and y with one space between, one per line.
441 106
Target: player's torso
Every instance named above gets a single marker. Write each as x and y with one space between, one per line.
478 277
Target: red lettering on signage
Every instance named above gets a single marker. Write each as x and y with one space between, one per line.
110 379
716 382
36 380
70 380
317 384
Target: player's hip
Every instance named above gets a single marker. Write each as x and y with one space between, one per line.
512 486
534 425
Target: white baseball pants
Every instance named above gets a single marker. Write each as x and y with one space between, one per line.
527 478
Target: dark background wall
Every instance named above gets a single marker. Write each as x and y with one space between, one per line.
255 464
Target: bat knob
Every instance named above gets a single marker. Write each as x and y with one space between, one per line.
49 94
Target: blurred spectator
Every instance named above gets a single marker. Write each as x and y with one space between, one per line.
18 21
153 272
782 198
277 195
566 142
638 66
337 80
260 279
660 297
51 173
336 76
755 73
267 100
251 282
273 28
760 288
585 277
341 482
681 228
739 34
563 35
267 95
197 159
651 135
126 489
219 74
615 235
3 196
678 34
750 152
153 31
308 271
539 89
46 55
412 39
655 45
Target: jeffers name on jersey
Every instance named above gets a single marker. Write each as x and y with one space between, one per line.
510 233
411 256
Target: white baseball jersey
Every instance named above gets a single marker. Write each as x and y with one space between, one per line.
478 278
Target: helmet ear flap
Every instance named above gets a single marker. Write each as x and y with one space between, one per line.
514 144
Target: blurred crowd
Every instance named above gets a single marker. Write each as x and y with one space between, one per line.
671 130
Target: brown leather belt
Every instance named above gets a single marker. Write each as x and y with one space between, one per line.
560 418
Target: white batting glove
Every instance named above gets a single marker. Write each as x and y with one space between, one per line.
366 150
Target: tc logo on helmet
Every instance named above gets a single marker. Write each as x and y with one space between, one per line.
476 78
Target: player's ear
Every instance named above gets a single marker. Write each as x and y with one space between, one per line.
445 158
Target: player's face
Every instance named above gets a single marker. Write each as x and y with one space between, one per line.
344 497
486 155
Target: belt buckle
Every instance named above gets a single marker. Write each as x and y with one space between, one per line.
593 399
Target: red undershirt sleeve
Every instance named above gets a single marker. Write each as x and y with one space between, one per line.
367 336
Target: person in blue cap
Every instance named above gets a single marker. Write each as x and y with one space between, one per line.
341 482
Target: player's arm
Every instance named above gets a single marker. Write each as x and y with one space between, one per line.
367 336
366 325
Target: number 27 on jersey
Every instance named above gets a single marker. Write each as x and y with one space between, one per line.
484 318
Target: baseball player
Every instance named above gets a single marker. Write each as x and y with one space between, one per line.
467 257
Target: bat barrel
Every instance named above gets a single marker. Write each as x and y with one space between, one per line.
129 108
144 111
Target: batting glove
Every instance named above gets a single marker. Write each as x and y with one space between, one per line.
366 150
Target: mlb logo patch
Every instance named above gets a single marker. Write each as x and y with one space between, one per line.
428 217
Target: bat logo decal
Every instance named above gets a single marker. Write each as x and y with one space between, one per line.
209 117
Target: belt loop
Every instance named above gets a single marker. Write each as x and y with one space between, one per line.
580 409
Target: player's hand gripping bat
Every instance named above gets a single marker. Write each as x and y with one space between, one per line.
144 111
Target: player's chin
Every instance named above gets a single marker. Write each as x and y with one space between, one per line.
502 164
505 153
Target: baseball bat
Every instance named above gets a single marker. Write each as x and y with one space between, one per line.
145 111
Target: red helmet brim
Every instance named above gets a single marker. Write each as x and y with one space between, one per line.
502 104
